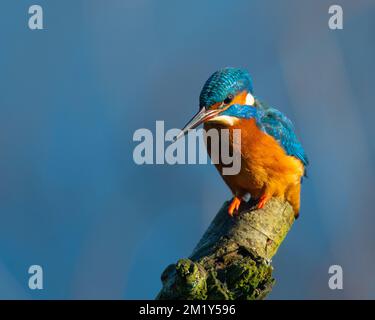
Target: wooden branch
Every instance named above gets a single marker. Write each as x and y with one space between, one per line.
233 258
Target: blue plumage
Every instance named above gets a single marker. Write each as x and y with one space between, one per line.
243 111
277 125
274 123
231 81
266 170
223 82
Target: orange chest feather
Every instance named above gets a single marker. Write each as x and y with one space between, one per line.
262 151
262 156
266 169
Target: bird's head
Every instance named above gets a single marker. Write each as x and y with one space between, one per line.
222 98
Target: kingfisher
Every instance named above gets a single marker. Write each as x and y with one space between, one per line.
273 161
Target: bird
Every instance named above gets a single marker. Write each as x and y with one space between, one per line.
273 161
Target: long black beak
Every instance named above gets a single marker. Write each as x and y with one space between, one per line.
202 116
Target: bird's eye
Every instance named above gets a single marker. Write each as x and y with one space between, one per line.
228 99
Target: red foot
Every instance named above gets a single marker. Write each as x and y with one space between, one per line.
262 201
235 204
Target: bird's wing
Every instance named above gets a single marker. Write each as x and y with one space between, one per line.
277 125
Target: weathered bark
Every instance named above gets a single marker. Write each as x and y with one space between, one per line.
233 258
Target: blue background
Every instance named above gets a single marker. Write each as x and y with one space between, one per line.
71 197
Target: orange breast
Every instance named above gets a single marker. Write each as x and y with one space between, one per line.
265 167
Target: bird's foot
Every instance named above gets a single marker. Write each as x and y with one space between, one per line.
234 205
262 201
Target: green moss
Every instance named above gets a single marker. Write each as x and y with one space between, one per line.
246 278
191 280
229 261
216 289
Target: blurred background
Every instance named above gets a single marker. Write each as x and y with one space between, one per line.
71 197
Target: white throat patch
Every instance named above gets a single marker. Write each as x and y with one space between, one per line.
227 120
249 99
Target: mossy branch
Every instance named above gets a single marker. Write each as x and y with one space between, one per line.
233 258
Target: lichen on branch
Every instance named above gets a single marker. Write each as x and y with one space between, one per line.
233 259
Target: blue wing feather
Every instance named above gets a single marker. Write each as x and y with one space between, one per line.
277 125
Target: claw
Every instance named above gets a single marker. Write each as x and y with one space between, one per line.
235 204
262 201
